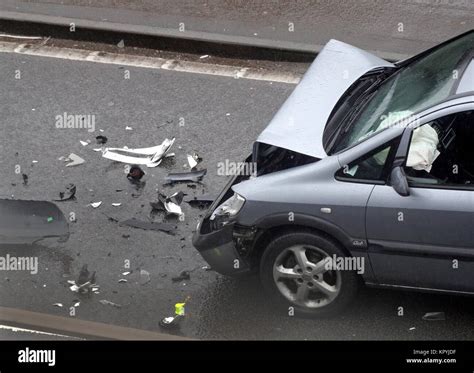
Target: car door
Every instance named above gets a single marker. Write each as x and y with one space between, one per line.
425 239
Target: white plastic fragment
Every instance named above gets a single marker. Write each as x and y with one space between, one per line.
173 208
144 277
127 128
75 160
116 204
192 161
107 302
151 157
60 305
83 143
96 204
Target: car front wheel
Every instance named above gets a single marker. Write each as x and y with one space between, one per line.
298 271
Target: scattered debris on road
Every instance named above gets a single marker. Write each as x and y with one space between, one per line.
193 160
151 157
106 302
434 316
101 139
85 282
174 321
96 204
203 200
144 277
68 195
135 174
85 276
75 160
194 176
169 204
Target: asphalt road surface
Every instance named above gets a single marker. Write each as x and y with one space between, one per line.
222 117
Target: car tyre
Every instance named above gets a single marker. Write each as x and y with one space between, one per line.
282 258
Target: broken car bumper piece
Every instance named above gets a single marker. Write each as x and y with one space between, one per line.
151 157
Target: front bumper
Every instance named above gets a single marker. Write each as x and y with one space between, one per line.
218 248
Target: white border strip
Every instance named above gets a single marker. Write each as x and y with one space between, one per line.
148 62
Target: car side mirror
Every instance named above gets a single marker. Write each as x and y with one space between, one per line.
399 181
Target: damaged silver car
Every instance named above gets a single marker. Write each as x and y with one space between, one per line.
364 175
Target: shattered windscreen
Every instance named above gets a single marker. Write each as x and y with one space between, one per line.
415 87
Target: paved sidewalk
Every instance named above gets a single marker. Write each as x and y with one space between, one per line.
392 29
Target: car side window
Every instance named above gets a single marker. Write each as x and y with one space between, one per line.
440 152
371 167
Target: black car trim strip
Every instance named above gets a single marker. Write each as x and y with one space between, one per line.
416 249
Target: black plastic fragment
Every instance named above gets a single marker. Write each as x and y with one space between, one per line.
202 200
68 195
135 173
176 197
101 139
194 176
28 222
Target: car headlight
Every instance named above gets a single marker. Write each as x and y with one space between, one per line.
227 210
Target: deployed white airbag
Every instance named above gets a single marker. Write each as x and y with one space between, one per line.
423 148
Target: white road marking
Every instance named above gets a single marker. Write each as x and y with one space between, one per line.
22 330
21 37
149 62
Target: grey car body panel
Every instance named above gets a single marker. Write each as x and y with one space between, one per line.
299 123
29 222
306 190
